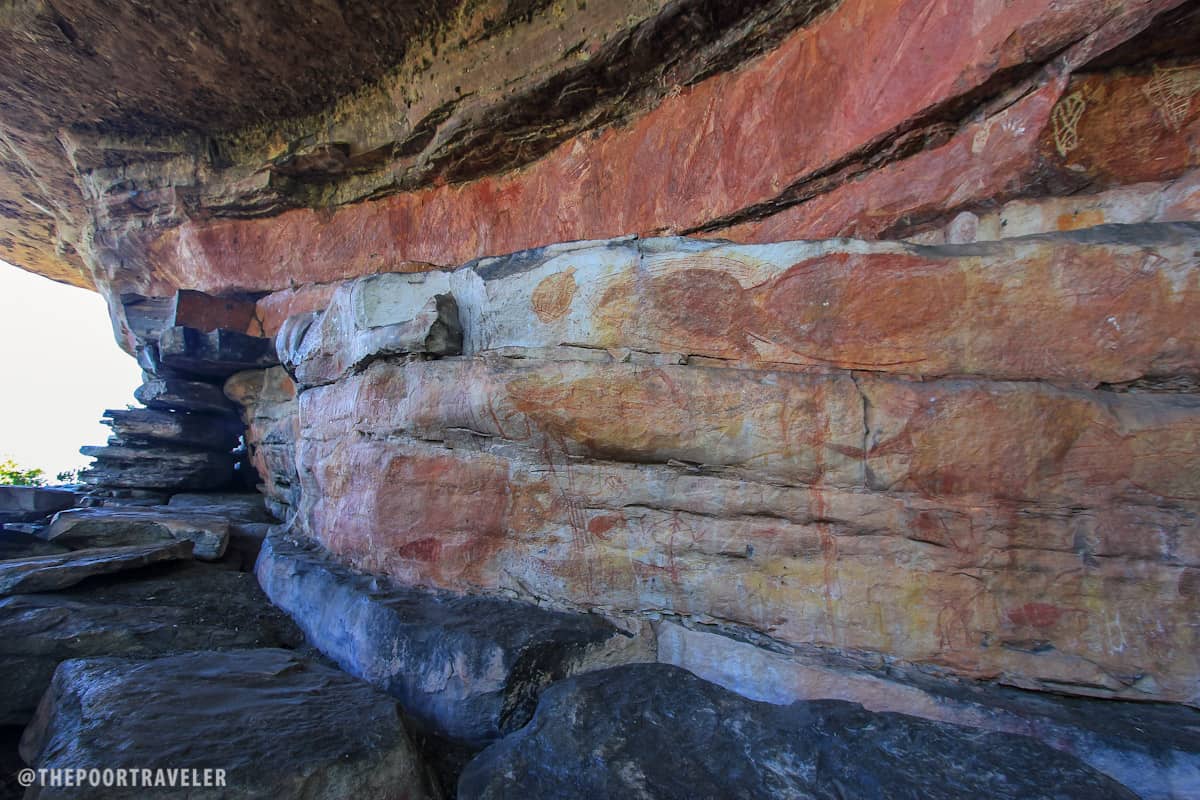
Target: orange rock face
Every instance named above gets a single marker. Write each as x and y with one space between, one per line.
807 440
953 540
716 149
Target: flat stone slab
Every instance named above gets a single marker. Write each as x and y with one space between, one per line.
213 432
218 353
171 608
181 395
280 725
48 573
39 500
17 545
158 467
108 527
32 503
245 506
657 731
466 668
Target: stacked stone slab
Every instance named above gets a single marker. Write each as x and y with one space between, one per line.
186 437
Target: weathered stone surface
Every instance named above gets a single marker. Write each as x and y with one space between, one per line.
205 313
215 354
158 467
1100 130
177 395
654 731
268 400
969 453
1153 749
284 727
145 425
803 506
14 545
384 315
277 307
52 572
101 527
467 668
243 506
1104 305
174 608
762 139
1030 442
35 501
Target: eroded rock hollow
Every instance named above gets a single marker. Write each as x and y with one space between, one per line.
834 350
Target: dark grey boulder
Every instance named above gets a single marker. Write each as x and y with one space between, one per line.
217 354
32 503
52 572
118 527
658 731
281 726
42 500
166 609
180 395
466 668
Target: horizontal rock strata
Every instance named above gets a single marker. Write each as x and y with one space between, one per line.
615 437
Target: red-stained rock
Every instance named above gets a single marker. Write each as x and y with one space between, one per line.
1102 130
757 135
996 531
206 313
1102 306
1030 442
276 307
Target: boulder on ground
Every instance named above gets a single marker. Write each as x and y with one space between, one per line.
466 668
171 608
657 731
30 503
106 527
280 726
52 572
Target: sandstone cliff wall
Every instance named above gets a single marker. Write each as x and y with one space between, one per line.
851 339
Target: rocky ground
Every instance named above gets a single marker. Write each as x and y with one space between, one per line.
123 646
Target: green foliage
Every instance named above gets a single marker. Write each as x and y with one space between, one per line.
69 476
13 474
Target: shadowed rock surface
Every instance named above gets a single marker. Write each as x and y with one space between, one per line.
48 573
654 731
282 726
468 668
165 609
16 545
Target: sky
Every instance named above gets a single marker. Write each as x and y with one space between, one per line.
60 367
